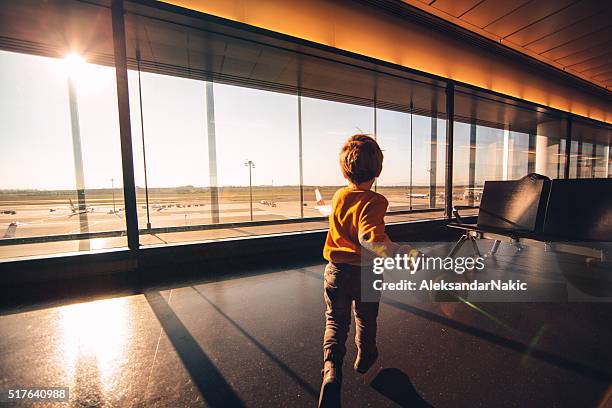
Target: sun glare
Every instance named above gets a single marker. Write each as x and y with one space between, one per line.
95 331
75 64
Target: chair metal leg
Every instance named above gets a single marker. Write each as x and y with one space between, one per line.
516 243
475 247
494 247
457 246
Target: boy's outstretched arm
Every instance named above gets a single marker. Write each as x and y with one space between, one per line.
372 235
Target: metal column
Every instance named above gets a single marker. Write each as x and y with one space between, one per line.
300 152
472 171
212 152
125 132
568 148
450 113
433 160
77 151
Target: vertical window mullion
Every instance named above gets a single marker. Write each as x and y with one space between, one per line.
125 132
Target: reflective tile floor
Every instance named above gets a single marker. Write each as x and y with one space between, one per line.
255 341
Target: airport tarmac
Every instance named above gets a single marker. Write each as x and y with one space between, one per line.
40 216
8 252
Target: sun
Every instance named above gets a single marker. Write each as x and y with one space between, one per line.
75 64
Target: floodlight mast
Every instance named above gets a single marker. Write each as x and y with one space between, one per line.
251 166
113 190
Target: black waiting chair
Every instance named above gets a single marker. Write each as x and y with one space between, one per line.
570 215
509 208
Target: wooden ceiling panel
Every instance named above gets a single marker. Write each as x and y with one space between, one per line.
586 55
570 33
490 11
455 8
556 22
592 62
582 43
526 15
604 77
593 72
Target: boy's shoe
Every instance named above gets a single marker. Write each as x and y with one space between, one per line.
365 361
331 386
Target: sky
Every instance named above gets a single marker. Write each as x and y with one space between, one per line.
261 126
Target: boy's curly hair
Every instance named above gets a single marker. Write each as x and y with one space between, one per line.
361 158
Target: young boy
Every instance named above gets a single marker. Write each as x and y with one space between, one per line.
356 224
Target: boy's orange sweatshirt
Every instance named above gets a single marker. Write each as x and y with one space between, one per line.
357 218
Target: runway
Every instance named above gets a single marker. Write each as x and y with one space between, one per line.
34 218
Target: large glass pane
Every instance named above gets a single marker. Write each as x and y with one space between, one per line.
414 148
214 153
497 140
62 161
61 184
590 153
233 130
176 148
600 161
325 127
257 154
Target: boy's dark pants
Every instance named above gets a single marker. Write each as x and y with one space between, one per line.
342 289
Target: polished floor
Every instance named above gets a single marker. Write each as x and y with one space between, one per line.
255 340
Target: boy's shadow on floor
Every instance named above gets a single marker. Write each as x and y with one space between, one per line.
394 384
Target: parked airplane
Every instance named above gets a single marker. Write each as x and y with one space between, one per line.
269 203
323 208
157 207
474 193
81 209
11 230
417 195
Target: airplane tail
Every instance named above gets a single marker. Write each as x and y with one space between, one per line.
11 230
320 200
72 207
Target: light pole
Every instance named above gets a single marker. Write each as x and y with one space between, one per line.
113 190
251 166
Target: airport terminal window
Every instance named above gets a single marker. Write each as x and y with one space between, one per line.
589 159
259 127
62 156
590 151
600 161
554 153
325 127
498 140
476 158
250 167
586 160
414 149
176 148
223 145
484 153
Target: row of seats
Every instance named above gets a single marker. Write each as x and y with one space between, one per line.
538 208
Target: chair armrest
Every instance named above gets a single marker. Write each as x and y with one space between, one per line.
456 209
